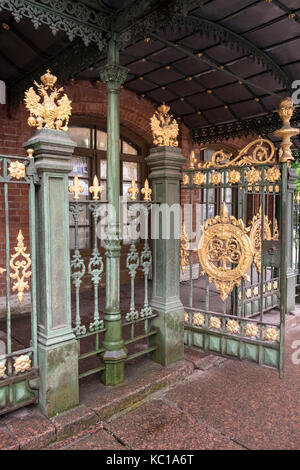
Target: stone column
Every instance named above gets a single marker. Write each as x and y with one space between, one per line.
291 274
165 173
57 346
113 75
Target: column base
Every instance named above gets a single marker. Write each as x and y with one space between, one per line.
170 337
114 361
59 387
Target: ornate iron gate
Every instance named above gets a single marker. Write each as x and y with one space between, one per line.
18 341
237 306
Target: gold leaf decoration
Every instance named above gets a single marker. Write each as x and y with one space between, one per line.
271 334
17 170
252 176
2 270
22 363
234 176
2 369
186 317
224 244
184 251
185 179
232 326
255 236
193 160
215 322
257 152
216 177
198 319
133 190
164 127
146 191
251 330
273 174
20 267
76 188
54 111
95 189
198 178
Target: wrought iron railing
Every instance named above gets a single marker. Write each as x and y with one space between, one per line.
18 354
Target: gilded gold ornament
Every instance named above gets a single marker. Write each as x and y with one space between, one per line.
54 111
184 251
257 152
216 177
198 178
225 252
198 319
193 160
164 127
20 267
2 369
76 188
186 317
22 363
146 191
133 190
269 286
95 189
248 293
185 179
17 170
234 176
255 291
255 230
275 285
271 334
285 111
2 270
273 174
252 176
215 322
232 326
251 330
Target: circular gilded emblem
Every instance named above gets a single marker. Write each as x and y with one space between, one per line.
225 252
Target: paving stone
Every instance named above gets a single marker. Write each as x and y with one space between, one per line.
202 360
7 440
32 430
156 425
73 421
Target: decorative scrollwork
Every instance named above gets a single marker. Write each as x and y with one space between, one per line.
255 230
20 267
184 251
225 251
257 152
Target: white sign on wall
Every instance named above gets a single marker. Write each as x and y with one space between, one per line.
2 92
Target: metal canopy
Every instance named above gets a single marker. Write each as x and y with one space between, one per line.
213 62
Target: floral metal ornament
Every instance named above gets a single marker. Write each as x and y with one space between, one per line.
133 190
164 127
225 252
146 191
184 250
273 174
17 170
215 322
22 363
251 330
198 178
234 176
95 189
186 317
216 178
185 179
20 267
271 334
198 319
76 188
232 326
257 152
255 230
54 111
2 369
252 175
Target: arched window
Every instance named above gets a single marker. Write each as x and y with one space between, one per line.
90 159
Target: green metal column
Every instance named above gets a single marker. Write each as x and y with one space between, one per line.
57 346
291 273
113 75
165 165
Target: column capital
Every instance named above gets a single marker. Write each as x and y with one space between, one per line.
165 162
113 75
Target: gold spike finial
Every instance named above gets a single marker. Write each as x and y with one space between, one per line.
76 188
95 189
193 160
133 190
146 191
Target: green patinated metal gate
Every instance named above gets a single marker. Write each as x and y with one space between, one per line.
237 306
18 340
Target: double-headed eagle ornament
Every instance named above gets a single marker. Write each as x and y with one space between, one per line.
52 112
164 127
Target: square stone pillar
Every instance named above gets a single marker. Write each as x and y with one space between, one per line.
57 346
165 165
291 273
